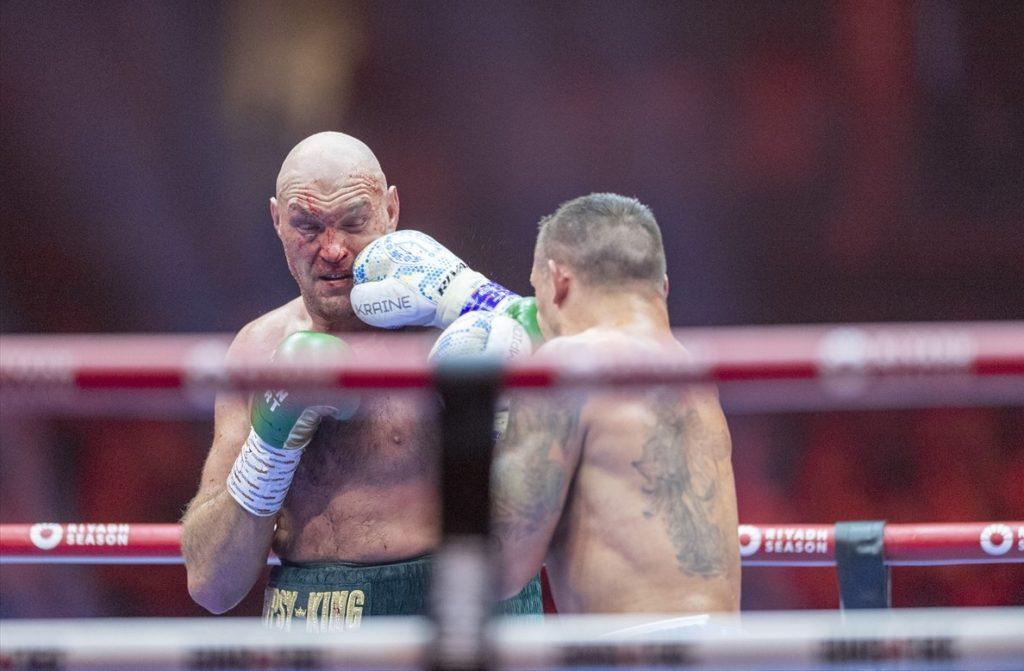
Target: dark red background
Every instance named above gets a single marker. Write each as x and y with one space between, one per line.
809 162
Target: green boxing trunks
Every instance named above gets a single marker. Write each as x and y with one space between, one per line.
334 596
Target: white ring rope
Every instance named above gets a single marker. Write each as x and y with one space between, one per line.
904 639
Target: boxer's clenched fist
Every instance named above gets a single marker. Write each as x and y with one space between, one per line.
407 278
282 425
489 335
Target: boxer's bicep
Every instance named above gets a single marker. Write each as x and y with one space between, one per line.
533 467
231 420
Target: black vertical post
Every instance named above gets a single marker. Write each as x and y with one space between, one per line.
864 579
463 585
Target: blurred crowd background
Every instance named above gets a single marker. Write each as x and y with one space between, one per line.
808 162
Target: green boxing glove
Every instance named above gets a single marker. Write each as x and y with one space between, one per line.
282 425
279 418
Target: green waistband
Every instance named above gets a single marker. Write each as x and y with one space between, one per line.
324 596
326 574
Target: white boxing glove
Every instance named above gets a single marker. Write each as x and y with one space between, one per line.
485 334
407 278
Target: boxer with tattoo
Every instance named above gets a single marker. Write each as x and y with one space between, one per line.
628 496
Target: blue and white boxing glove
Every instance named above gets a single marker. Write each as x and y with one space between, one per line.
484 334
407 278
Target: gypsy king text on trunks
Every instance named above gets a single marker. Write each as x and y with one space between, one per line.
336 610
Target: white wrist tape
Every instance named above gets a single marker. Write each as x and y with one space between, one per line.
457 296
261 476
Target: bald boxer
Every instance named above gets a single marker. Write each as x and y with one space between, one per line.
628 496
344 490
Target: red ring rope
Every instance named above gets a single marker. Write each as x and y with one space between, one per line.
782 353
761 544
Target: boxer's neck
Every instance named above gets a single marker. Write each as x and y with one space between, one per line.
637 311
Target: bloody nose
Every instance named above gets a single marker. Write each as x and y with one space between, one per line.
333 249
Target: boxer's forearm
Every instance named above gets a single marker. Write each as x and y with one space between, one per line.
225 549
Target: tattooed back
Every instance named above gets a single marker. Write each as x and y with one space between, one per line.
649 522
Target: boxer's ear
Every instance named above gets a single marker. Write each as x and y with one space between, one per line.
664 287
275 214
393 208
561 279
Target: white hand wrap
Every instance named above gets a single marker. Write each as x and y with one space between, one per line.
407 278
261 476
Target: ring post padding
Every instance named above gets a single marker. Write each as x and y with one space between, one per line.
864 579
468 389
463 586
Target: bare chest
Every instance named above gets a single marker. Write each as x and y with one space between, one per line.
390 442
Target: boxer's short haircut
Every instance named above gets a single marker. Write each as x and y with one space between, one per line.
606 238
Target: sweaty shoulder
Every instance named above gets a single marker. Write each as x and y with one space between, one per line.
261 336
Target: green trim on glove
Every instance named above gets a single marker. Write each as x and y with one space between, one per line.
524 311
277 418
